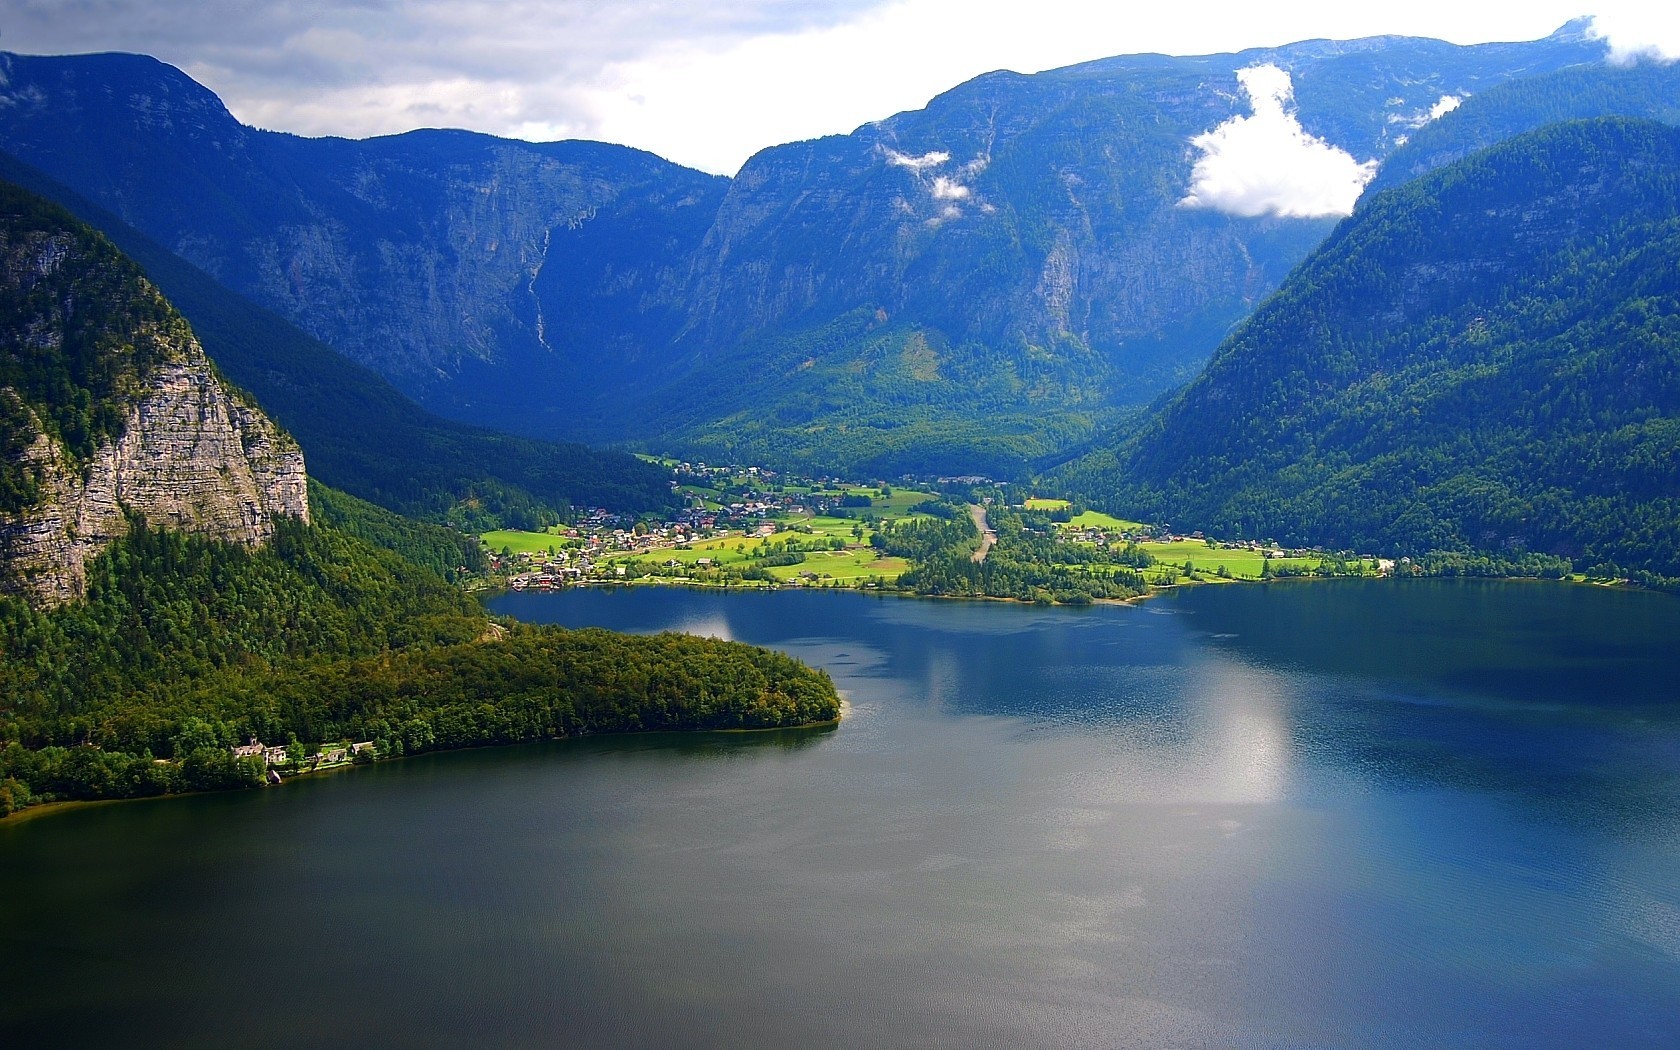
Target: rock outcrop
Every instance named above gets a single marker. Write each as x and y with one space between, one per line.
177 448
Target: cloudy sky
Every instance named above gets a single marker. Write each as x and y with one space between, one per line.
702 82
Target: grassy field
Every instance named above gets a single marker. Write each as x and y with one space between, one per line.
856 563
1241 562
1096 519
895 506
844 566
523 542
720 550
1039 503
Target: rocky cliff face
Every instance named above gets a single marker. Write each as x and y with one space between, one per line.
166 440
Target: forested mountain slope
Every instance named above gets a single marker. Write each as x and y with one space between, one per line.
1487 358
1648 90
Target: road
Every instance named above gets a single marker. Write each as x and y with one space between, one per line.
988 538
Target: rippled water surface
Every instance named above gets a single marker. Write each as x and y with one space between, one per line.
1316 814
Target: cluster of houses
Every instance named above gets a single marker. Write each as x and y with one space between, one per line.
279 755
579 550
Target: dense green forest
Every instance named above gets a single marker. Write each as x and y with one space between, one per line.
186 646
1484 360
451 553
358 432
866 398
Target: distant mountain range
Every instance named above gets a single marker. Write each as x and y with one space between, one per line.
975 286
1486 358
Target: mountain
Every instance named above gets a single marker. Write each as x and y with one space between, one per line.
360 433
1648 90
981 282
1484 359
109 409
1012 263
414 253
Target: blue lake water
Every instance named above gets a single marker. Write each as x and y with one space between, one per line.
1347 814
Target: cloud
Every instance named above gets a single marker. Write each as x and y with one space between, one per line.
1267 164
945 189
1639 32
1418 118
931 159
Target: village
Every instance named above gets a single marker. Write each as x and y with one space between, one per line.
752 526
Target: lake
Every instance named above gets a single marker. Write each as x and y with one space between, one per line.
1430 813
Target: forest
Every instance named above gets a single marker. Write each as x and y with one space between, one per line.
1027 563
185 647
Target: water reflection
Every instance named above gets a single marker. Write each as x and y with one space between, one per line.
708 625
1240 720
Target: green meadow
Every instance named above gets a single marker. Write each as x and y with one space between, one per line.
523 542
1242 563
1096 519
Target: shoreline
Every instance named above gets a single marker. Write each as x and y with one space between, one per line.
44 809
493 591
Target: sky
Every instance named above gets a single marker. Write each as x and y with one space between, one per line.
707 83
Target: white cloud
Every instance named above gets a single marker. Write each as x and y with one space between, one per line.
942 187
1634 32
945 189
1267 164
932 159
1418 120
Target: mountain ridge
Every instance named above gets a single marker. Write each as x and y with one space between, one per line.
1040 272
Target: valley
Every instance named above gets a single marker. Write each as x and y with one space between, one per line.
1289 426
753 527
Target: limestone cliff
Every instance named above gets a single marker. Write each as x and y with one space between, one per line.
109 409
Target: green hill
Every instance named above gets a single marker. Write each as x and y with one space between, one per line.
1485 359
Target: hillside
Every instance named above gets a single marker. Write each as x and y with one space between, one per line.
360 433
974 285
1484 359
